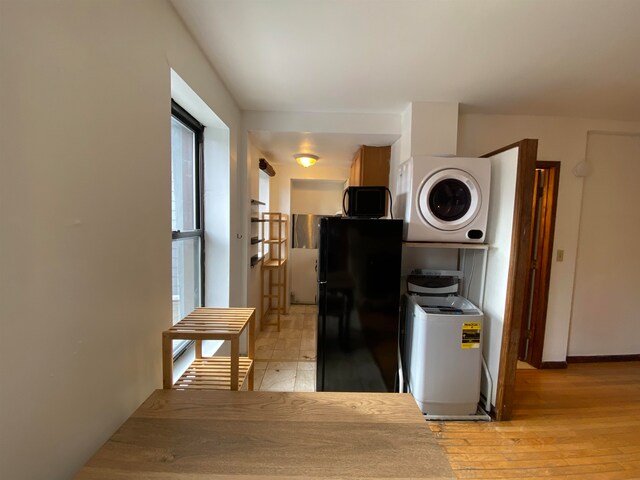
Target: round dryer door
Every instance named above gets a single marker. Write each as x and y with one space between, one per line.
449 199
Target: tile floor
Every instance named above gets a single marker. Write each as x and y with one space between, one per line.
524 366
286 360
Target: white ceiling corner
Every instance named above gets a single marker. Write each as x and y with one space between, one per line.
574 58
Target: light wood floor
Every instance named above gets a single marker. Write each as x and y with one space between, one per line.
286 360
579 423
582 423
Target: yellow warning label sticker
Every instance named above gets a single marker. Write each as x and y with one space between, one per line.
470 335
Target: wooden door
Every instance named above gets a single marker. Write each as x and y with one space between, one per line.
543 218
507 282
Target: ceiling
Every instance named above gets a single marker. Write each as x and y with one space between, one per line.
534 57
334 149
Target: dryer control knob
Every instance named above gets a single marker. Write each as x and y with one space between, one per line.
475 234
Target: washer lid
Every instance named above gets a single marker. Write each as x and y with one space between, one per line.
449 305
449 199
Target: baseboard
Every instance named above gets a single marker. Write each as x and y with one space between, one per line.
634 357
553 365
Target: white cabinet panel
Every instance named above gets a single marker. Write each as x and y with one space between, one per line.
303 275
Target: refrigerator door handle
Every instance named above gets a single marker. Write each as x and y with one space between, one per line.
322 318
400 373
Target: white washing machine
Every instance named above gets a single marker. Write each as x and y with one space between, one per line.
442 357
443 199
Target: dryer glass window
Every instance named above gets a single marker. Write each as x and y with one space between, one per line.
449 200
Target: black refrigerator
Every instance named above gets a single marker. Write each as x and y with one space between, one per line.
358 304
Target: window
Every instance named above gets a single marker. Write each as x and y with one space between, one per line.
187 256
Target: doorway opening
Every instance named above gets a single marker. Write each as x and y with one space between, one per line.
543 220
311 198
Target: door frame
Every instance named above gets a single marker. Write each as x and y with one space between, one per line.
518 281
545 258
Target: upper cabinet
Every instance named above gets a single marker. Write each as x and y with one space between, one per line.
370 167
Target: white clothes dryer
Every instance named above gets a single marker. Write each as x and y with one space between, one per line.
443 199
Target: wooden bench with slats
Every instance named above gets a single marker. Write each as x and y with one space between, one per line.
217 372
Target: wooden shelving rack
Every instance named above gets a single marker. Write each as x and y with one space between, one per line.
217 372
275 228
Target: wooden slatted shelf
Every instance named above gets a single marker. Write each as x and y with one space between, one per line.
274 263
213 372
274 232
281 240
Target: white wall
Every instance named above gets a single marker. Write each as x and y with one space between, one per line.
217 219
280 185
560 139
85 262
504 168
434 128
254 229
317 197
605 317
428 128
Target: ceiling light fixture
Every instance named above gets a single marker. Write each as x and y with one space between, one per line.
306 159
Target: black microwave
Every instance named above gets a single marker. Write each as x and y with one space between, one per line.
366 202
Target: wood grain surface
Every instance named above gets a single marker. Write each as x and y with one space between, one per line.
211 434
579 423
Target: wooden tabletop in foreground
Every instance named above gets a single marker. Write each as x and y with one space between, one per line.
268 435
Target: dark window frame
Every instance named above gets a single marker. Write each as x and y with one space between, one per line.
184 117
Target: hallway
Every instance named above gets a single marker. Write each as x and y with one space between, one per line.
286 360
